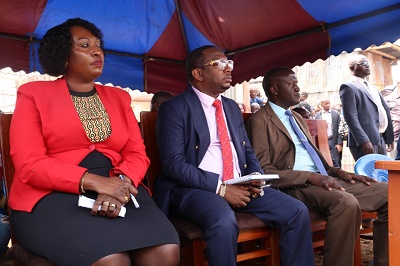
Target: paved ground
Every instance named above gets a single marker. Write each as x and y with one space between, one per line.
366 254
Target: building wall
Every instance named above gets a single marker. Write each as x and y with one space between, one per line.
322 79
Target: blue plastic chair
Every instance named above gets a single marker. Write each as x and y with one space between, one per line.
366 166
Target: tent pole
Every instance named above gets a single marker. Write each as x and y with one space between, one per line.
178 12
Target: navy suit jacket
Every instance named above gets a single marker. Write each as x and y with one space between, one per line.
183 138
361 115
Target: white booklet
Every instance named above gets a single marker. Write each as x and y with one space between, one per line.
246 179
88 203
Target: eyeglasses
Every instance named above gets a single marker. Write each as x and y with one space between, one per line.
364 64
221 63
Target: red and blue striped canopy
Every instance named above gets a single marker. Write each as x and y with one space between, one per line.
147 40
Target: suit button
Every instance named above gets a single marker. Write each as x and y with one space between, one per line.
289 166
245 166
197 147
91 147
244 143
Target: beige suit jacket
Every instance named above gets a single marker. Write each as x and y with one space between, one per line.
275 149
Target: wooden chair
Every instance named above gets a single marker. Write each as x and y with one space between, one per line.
256 241
317 128
20 255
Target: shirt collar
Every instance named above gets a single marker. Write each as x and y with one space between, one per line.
355 78
205 99
279 111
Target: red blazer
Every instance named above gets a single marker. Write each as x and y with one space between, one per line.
48 141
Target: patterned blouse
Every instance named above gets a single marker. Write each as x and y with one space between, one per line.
93 115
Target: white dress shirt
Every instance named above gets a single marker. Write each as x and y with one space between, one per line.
212 160
374 94
327 116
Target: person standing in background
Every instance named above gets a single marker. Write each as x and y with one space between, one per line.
303 112
242 107
303 103
255 97
393 101
337 107
254 107
303 96
366 113
335 140
158 98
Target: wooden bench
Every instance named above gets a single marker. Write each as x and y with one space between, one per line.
255 239
192 249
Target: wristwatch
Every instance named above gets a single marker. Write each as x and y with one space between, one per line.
222 189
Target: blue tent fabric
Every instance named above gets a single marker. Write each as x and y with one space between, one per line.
147 42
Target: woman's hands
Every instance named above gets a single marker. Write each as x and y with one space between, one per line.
113 193
106 206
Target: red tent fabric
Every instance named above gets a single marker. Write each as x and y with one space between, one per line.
147 42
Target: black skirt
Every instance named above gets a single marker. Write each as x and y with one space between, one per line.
66 234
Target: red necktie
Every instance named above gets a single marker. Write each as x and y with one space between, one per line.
227 157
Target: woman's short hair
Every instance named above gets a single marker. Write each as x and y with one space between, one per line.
56 44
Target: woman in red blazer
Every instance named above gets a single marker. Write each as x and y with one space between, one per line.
71 137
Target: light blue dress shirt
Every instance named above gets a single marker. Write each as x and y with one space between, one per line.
303 160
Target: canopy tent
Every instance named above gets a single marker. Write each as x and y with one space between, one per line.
147 42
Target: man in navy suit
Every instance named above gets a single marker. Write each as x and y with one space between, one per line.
191 183
366 113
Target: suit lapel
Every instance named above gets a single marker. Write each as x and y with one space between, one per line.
276 121
361 86
199 122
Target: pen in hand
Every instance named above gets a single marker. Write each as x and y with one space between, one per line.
132 197
262 187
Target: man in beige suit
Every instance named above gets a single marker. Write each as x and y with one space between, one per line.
338 195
